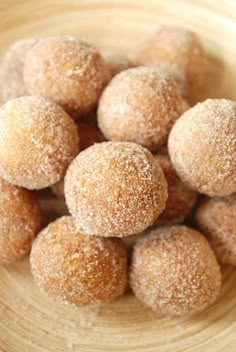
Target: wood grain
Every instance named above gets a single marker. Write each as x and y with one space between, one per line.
29 320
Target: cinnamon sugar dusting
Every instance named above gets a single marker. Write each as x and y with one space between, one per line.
175 272
202 147
216 219
38 140
20 221
75 268
115 189
140 105
67 70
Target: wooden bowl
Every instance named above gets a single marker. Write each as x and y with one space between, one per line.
29 320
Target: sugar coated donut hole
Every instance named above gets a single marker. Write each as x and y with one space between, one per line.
216 218
88 135
115 61
20 221
174 271
180 52
67 70
38 140
140 105
202 147
11 69
115 189
74 268
181 198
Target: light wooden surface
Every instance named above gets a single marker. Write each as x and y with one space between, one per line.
29 320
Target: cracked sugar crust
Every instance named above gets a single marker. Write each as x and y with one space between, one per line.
74 268
216 218
174 271
11 69
20 221
180 52
140 105
38 140
181 198
67 70
202 147
115 61
115 189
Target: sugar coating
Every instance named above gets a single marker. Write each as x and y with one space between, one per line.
38 140
115 189
202 147
115 61
74 268
174 271
67 70
176 73
140 105
179 51
11 69
88 135
216 218
181 198
20 221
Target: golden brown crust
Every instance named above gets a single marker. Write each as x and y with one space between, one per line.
140 105
115 189
216 218
67 70
181 198
75 268
11 69
175 272
202 147
20 221
179 51
38 140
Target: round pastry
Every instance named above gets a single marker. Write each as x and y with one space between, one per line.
67 70
115 189
74 268
216 218
202 147
38 140
174 271
20 221
140 105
